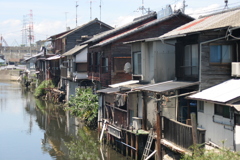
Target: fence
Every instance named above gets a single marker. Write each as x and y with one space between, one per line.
181 134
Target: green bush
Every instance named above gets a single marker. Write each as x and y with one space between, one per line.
84 105
41 89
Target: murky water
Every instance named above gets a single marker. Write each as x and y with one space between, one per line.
31 129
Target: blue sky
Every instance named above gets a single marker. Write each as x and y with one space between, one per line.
52 16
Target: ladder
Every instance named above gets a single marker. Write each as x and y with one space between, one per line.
148 145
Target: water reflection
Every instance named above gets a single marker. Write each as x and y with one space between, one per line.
33 129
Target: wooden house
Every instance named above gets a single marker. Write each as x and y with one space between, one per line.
67 40
74 69
192 57
108 55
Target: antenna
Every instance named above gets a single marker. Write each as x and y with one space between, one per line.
90 10
76 12
100 6
184 6
226 4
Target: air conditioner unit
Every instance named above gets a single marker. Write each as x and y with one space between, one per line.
236 69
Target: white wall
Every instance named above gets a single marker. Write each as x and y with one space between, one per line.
169 110
82 56
237 137
158 61
215 132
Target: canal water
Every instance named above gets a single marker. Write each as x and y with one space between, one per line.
31 129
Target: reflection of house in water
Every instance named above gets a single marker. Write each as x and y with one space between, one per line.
59 127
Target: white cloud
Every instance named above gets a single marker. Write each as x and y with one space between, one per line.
122 20
202 11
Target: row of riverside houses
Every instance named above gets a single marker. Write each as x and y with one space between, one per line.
167 72
150 75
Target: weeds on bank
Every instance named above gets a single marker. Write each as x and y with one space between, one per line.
200 153
41 89
84 105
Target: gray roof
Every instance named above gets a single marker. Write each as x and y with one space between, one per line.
111 32
138 29
166 86
229 18
74 50
113 90
85 25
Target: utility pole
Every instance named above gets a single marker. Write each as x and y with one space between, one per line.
76 12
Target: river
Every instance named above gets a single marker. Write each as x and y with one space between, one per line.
31 129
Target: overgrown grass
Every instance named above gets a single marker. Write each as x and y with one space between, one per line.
41 89
84 105
200 153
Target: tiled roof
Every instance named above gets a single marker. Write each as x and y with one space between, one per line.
113 31
74 50
85 25
136 29
230 18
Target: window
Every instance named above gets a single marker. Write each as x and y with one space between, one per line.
81 67
222 110
97 61
191 60
220 54
104 65
137 63
200 106
237 119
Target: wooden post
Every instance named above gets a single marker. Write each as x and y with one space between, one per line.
194 128
127 143
144 112
136 144
132 151
159 129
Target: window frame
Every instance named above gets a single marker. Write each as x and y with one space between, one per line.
220 110
105 64
137 68
221 62
189 55
201 106
81 63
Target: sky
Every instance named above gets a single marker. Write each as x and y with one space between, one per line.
50 17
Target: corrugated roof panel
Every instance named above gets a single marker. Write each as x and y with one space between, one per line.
124 83
223 92
220 20
166 86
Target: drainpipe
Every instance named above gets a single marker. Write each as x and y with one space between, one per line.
200 56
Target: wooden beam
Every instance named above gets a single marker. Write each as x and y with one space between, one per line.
159 128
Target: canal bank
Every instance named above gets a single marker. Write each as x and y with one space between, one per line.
34 129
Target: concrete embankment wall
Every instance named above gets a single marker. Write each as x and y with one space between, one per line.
12 75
